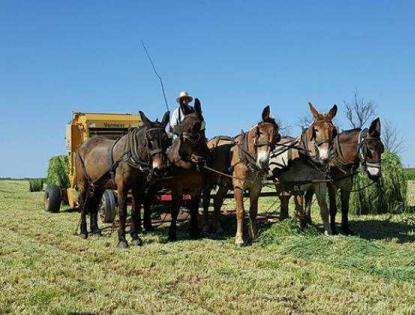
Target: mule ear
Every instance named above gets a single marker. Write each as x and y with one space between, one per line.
313 111
198 106
266 112
146 122
333 111
165 119
375 127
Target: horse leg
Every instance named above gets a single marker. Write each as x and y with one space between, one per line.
122 210
136 217
333 207
194 214
345 198
175 207
217 205
299 209
148 227
83 198
284 201
253 210
240 214
206 202
284 197
95 201
308 197
321 191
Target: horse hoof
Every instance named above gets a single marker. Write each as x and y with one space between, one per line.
84 236
97 233
239 242
328 233
205 229
172 238
137 242
348 232
195 235
122 244
149 229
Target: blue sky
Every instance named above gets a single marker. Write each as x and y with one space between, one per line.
236 56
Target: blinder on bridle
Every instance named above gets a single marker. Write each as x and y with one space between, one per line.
318 143
364 149
262 143
193 138
156 134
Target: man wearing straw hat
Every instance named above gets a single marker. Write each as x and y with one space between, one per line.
176 118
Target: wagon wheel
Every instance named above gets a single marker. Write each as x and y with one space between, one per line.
107 207
53 198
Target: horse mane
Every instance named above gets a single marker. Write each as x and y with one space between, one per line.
350 131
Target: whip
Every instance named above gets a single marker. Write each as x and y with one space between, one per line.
156 73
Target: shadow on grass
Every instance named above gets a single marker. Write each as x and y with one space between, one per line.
373 229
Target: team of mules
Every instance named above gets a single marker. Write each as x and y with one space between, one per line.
319 161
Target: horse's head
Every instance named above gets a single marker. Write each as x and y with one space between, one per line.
371 149
321 133
192 142
263 138
156 142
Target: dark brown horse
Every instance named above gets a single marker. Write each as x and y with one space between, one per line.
351 149
124 164
296 170
186 155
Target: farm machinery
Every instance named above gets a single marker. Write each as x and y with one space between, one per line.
82 127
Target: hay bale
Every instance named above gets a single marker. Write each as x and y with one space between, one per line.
386 196
58 171
36 184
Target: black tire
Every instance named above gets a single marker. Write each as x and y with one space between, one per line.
107 207
53 198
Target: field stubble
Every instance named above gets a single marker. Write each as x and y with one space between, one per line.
44 268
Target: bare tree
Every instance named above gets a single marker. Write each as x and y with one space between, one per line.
359 111
283 128
305 121
391 138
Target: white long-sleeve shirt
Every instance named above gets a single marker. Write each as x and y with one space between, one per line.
177 117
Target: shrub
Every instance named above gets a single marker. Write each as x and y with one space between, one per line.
410 173
36 184
58 171
386 196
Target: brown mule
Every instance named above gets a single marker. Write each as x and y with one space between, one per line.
351 149
250 157
187 153
245 158
295 169
124 164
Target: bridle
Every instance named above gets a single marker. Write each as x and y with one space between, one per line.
192 138
134 147
155 134
318 143
363 149
244 155
262 143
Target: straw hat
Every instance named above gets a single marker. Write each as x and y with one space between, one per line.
184 95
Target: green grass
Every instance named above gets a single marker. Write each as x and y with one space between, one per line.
410 173
44 268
